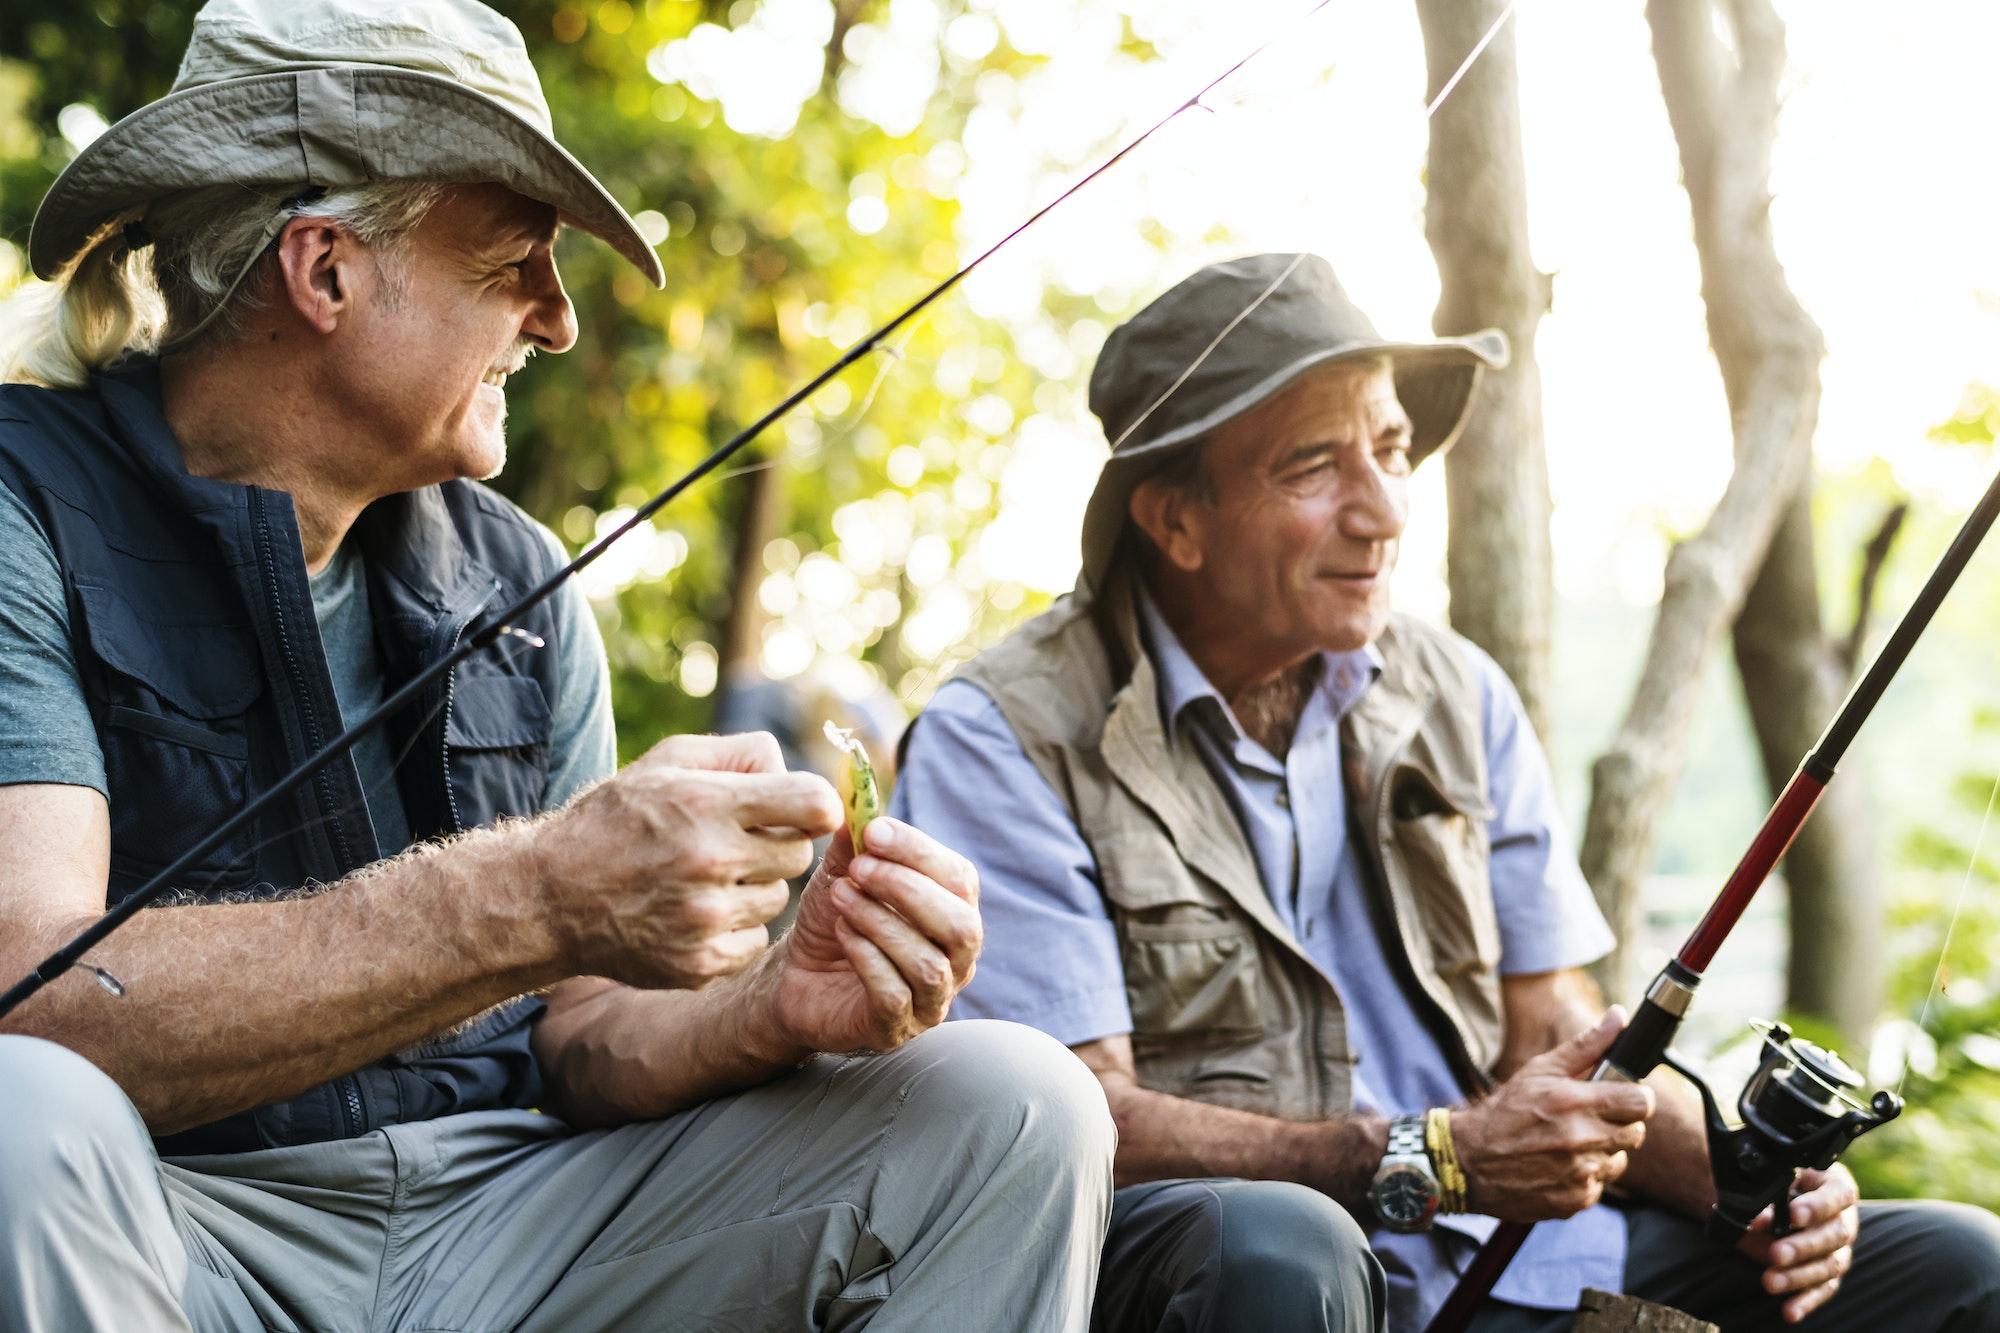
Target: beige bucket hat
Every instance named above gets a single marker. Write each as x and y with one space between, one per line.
1229 337
335 93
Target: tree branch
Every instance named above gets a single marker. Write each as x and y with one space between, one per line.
846 13
1873 556
1724 116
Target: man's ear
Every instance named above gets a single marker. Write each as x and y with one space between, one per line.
1166 515
316 260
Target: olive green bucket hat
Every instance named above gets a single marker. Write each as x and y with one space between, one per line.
1228 338
335 93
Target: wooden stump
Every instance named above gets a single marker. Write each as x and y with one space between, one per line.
1608 1312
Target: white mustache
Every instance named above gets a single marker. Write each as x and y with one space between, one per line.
513 358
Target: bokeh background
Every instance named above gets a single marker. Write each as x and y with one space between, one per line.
808 166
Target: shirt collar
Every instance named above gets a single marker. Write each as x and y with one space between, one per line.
1345 677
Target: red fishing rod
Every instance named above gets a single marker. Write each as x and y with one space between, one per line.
1790 1065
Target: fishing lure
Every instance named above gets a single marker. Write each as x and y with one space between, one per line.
860 794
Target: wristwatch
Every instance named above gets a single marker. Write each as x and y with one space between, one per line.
1405 1193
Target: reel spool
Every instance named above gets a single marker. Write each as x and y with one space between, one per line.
1799 1110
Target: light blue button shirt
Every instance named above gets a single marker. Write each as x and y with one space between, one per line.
1051 958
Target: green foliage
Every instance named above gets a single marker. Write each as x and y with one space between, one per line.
1941 1147
1977 420
767 281
1944 995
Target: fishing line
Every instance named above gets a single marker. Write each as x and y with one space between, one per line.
1951 925
937 663
1478 48
1430 111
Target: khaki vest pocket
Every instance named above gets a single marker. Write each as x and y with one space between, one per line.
1192 977
1445 856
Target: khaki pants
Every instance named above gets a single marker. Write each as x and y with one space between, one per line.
961 1182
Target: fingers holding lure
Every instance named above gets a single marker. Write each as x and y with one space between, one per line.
860 793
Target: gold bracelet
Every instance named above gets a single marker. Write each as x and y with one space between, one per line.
1461 1187
1444 1160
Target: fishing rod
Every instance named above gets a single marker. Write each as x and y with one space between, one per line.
1799 1110
501 626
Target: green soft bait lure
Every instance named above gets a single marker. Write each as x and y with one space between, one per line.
859 792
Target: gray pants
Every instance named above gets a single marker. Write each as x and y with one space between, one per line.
1236 1256
1919 1267
1241 1256
960 1182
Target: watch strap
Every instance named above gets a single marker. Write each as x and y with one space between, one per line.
1407 1161
1406 1137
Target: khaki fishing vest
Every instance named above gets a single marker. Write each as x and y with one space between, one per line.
1226 1006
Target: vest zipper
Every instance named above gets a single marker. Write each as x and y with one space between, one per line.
351 1095
308 719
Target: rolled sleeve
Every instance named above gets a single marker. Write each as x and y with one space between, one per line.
46 734
1549 918
1051 957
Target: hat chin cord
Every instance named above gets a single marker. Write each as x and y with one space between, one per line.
286 212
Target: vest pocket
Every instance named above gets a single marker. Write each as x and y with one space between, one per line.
1445 857
172 783
497 741
170 700
1192 978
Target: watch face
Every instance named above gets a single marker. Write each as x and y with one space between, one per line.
1404 1197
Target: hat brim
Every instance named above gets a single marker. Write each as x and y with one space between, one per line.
1434 381
407 125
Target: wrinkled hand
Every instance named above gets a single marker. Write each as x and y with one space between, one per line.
882 942
1545 1143
1811 1261
664 875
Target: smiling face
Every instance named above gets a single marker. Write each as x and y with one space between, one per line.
469 295
1290 552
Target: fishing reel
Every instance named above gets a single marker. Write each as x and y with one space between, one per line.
1800 1110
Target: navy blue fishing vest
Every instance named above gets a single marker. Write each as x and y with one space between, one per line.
192 621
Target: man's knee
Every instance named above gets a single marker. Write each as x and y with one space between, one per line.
1949 1250
1967 1240
1288 1247
1225 1255
62 1114
1003 1078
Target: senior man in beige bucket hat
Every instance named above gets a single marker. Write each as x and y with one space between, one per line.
478 1034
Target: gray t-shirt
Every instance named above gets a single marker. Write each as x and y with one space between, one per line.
46 733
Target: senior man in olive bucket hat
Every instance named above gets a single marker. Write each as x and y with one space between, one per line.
480 1033
1287 870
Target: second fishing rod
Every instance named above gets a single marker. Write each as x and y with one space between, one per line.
1800 1109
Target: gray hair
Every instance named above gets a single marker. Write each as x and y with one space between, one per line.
207 266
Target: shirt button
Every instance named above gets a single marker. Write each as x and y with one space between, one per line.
1284 799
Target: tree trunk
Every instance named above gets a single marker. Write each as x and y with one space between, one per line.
1724 111
759 521
1794 676
1496 476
